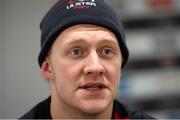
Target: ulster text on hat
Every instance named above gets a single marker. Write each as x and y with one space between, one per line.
81 4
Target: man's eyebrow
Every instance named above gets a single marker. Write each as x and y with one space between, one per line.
82 41
108 41
74 41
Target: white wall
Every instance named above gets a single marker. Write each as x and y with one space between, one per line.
21 85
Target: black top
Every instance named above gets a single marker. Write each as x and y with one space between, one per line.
42 111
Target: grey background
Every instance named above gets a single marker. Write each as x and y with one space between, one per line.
21 85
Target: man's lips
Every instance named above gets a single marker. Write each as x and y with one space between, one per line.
93 86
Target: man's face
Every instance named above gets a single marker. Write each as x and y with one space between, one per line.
86 66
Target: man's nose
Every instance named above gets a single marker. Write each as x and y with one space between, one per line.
93 65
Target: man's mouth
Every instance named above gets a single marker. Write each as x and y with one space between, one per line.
93 86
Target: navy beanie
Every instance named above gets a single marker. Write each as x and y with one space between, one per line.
66 13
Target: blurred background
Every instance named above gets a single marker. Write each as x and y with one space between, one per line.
150 82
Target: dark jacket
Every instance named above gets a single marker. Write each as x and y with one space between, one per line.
42 111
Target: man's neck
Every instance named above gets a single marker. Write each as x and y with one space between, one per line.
59 111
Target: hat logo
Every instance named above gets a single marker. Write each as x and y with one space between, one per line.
80 4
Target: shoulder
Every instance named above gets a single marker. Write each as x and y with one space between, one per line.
40 111
125 112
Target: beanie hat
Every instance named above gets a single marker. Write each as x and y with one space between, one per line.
66 13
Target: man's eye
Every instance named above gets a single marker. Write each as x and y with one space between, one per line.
107 52
76 52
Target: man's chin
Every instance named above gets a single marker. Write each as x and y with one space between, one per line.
95 107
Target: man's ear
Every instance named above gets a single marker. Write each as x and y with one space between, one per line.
46 70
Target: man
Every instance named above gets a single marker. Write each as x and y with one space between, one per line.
82 53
